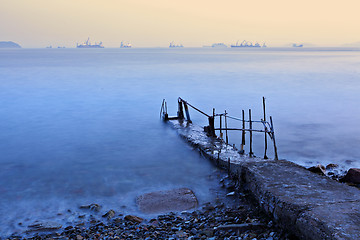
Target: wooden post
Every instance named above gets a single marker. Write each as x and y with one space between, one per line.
227 139
166 114
180 112
212 127
162 108
213 124
221 134
250 127
265 157
187 112
243 133
273 137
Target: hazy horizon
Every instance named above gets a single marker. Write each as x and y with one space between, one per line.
41 23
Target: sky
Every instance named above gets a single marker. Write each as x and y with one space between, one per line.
193 23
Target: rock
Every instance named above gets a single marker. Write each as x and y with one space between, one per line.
242 227
352 176
165 201
47 226
331 166
193 231
320 169
208 232
95 207
109 214
133 218
181 234
209 207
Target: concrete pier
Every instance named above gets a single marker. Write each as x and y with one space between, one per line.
307 204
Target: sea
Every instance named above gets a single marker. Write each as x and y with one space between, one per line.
82 126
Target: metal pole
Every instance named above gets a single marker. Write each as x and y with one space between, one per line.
221 134
227 139
213 124
180 110
180 99
162 108
243 133
211 127
265 157
250 127
273 137
187 112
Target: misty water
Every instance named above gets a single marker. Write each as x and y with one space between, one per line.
81 126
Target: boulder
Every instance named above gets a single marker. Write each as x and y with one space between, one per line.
319 169
133 218
110 214
331 166
165 201
353 176
45 226
94 207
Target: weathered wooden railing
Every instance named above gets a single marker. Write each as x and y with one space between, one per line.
268 127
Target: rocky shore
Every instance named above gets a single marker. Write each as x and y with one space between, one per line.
234 216
351 176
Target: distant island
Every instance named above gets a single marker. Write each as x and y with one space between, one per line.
9 44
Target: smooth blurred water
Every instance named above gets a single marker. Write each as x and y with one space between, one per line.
79 126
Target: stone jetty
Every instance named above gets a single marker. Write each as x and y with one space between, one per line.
307 204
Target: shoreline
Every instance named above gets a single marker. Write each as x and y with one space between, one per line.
234 216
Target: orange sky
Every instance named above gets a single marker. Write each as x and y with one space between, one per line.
152 23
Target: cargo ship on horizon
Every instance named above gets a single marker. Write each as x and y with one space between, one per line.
125 45
172 45
297 45
247 44
88 44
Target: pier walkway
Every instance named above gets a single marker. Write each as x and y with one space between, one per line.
307 204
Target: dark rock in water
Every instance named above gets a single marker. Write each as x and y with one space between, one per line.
165 201
47 226
320 169
331 166
9 45
352 176
95 207
109 214
132 218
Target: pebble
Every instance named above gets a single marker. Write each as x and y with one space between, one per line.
199 224
239 220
